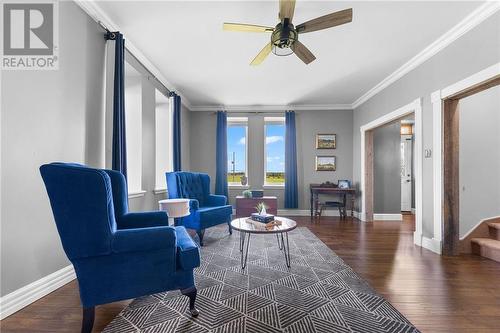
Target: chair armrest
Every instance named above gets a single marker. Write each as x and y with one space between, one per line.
142 220
193 204
188 254
143 239
216 200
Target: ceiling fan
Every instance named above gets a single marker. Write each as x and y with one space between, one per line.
284 36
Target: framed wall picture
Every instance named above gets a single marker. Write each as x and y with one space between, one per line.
326 163
326 141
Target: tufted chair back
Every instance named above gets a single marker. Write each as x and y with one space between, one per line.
190 185
120 192
82 205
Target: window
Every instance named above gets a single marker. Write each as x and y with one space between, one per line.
275 151
236 149
163 140
133 128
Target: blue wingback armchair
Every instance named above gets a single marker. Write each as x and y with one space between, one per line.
206 209
117 255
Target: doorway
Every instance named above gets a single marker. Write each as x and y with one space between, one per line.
367 163
406 165
446 145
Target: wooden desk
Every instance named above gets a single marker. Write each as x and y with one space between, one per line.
246 206
316 189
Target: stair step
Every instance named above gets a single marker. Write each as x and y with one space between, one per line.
494 225
494 228
486 247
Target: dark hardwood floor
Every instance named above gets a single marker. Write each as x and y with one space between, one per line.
437 294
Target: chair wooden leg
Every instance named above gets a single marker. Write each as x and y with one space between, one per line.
201 233
191 293
88 319
230 228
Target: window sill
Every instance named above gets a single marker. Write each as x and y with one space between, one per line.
159 190
274 186
238 186
136 194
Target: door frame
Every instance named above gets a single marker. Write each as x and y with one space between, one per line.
445 137
366 176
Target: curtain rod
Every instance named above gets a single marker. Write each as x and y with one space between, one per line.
250 112
149 74
148 71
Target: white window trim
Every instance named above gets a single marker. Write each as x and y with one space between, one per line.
136 194
240 121
161 186
271 121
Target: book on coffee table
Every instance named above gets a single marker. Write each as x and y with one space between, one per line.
262 218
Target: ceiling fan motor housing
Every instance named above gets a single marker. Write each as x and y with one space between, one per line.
283 37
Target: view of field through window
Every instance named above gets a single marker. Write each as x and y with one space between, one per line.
275 154
236 153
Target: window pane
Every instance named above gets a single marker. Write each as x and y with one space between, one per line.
236 153
275 154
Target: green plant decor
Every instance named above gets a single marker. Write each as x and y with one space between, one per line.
261 207
247 194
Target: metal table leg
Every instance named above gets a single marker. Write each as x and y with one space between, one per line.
286 248
280 244
242 240
244 254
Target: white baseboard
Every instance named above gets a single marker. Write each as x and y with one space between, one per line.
32 292
387 217
360 216
431 244
417 238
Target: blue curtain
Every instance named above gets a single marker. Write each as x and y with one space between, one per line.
119 148
176 99
221 155
291 188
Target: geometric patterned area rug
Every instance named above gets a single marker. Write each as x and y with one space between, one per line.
319 293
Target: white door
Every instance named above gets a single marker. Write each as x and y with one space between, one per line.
406 176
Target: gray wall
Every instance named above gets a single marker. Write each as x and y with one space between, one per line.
47 116
386 169
309 123
474 51
479 157
60 116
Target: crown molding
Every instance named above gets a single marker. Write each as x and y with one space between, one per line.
272 108
468 23
97 14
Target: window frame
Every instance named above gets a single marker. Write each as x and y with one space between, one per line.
276 120
161 186
239 121
136 74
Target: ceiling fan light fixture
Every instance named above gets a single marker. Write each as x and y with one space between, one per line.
282 43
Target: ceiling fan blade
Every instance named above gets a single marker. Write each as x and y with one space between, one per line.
262 55
287 7
327 21
246 27
303 52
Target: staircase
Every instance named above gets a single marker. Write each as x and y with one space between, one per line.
488 247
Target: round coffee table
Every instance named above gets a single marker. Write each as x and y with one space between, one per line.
247 228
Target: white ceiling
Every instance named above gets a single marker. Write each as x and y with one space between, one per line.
210 67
